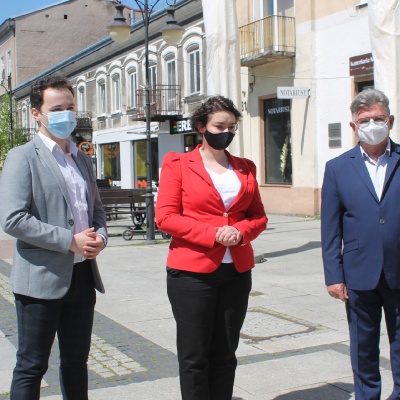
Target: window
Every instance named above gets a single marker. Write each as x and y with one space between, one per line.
171 94
153 82
81 98
9 62
25 121
194 71
116 92
278 153
140 152
101 96
132 87
111 165
2 69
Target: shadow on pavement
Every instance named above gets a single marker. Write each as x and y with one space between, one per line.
333 391
308 246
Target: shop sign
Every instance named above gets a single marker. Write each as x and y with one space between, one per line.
181 126
361 65
87 148
291 92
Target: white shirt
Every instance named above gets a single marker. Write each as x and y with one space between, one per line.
377 170
76 185
228 186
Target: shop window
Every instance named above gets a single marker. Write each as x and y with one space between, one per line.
278 152
191 141
140 156
111 168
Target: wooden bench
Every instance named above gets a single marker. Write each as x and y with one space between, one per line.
124 201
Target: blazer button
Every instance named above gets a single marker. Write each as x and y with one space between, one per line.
71 222
225 214
382 221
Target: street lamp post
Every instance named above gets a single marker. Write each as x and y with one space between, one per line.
9 92
172 34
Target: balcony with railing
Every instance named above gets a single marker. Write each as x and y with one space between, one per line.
83 120
266 40
165 103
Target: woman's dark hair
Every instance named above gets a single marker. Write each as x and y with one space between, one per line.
214 104
54 82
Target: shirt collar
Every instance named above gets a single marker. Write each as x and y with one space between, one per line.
53 146
385 154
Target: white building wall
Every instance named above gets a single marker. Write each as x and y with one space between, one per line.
339 37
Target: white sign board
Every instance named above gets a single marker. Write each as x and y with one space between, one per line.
291 92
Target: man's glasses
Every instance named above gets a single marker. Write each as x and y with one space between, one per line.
379 119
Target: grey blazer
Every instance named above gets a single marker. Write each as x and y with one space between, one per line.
35 209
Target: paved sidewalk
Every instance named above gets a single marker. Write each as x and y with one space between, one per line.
294 343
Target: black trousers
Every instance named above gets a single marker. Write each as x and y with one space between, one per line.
209 310
71 317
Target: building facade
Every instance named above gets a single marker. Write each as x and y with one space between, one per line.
302 63
109 81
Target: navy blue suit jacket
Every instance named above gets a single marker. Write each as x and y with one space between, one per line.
360 233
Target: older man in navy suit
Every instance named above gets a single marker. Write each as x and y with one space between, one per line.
360 219
51 205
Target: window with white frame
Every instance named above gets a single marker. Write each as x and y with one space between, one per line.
81 98
194 69
101 96
2 69
171 93
132 87
25 121
9 62
116 92
153 82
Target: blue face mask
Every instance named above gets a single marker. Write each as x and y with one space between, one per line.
61 123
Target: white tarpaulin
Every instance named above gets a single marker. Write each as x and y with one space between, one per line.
223 58
384 21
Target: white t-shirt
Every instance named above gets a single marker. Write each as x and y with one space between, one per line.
228 186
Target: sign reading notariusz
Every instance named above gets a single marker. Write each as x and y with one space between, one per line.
291 92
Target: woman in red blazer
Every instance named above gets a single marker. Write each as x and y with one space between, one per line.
209 202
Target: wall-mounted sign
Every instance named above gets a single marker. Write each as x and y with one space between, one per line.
361 65
291 92
87 148
181 126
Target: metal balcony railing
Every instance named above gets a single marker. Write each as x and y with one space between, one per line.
83 120
165 102
268 36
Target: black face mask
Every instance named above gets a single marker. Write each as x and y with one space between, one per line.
219 141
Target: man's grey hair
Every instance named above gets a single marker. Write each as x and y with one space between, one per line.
368 98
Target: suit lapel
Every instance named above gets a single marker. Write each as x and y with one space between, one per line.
359 164
197 166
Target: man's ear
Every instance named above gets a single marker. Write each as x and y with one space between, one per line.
391 121
36 114
353 126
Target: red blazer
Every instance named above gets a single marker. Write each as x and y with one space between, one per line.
190 209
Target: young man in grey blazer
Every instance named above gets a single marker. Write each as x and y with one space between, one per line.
51 205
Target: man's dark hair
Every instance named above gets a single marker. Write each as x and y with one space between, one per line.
52 81
214 104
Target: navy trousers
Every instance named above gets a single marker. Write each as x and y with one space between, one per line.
71 317
209 310
364 313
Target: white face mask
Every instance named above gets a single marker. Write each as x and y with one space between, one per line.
373 132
